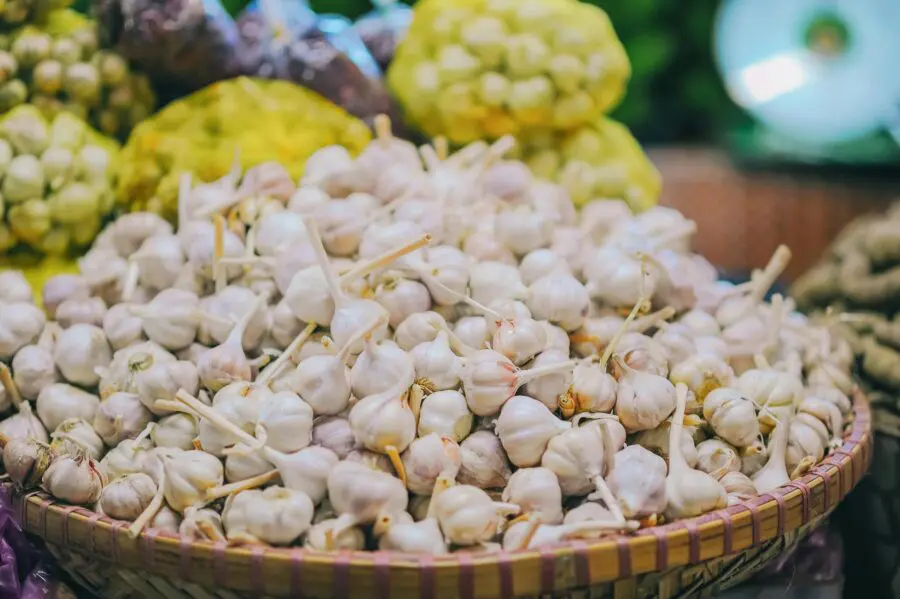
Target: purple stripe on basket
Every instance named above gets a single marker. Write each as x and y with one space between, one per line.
782 511
754 520
427 578
148 545
257 580
67 513
582 563
92 525
381 570
624 557
218 563
506 578
42 511
114 540
297 573
693 530
184 558
823 471
340 585
805 494
662 547
548 570
728 530
466 576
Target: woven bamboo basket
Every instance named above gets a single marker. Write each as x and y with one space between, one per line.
691 558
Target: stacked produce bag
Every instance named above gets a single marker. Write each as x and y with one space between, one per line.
545 71
859 278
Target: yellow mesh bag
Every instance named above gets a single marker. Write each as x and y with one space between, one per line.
263 120
481 69
601 160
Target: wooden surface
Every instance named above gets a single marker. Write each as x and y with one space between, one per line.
726 545
742 216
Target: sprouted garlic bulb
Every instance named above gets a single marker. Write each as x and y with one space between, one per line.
322 533
419 328
285 422
128 457
468 516
306 470
689 492
161 380
188 476
702 373
537 492
126 497
638 482
362 495
774 474
227 363
422 537
525 427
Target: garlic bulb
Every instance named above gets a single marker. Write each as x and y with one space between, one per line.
689 492
59 401
155 381
525 427
226 363
285 422
580 457
537 493
25 461
427 458
322 537
189 476
402 298
468 516
362 495
307 470
120 416
15 287
380 367
559 298
548 389
436 362
447 414
127 497
483 461
175 430
34 370
657 441
166 520
323 382
334 433
776 393
473 331
89 310
411 537
21 324
638 482
587 512
121 327
714 455
808 436
738 486
201 525
79 351
419 328
277 516
24 425
643 401
243 463
171 318
74 435
60 288
702 373
732 416
75 479
532 534
127 457
219 321
592 389
489 281
519 340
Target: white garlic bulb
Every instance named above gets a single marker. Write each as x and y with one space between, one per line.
25 461
323 382
643 401
33 370
427 458
285 422
361 495
559 298
412 537
468 516
74 436
473 331
59 401
127 457
447 414
24 425
525 427
732 416
201 525
334 433
127 497
75 479
306 470
435 361
380 367
483 461
21 324
189 476
277 516
638 482
175 430
322 537
79 351
715 455
418 328
155 381
537 492
120 416
122 327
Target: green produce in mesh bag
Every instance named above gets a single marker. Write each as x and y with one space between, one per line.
57 67
600 160
16 12
475 69
56 181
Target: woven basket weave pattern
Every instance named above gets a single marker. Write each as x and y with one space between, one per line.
667 561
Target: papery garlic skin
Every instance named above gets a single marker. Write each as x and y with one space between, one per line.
120 416
74 479
638 481
427 458
79 351
483 461
33 370
287 422
189 477
468 516
348 539
716 455
334 433
25 461
525 427
277 516
126 497
175 430
732 416
447 414
58 402
537 492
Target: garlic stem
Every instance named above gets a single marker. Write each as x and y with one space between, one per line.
506 509
383 130
215 418
236 335
241 485
394 455
441 147
440 485
606 494
777 263
384 259
363 333
639 325
9 385
275 367
611 346
676 428
218 252
150 511
456 344
131 279
802 467
144 434
315 239
534 523
523 376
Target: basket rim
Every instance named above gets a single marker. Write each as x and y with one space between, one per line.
296 571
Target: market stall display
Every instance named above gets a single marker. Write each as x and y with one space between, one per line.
56 65
418 353
205 132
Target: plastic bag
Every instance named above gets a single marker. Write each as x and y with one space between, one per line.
182 45
282 40
383 29
25 571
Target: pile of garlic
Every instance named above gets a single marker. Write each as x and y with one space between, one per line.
413 352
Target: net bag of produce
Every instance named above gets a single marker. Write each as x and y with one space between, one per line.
57 66
600 160
182 45
203 132
474 69
16 12
382 29
57 181
286 40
